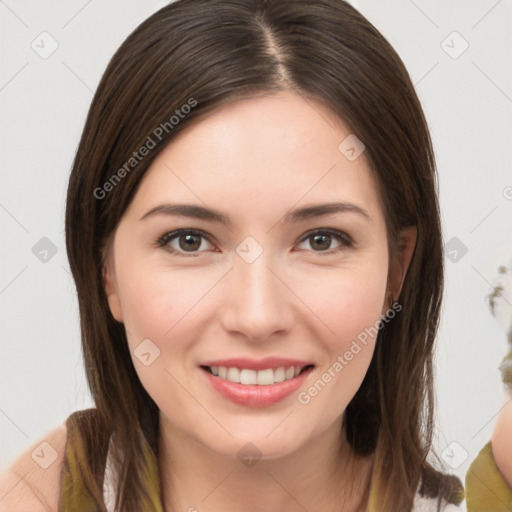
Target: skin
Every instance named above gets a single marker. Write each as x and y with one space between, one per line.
255 159
25 485
501 441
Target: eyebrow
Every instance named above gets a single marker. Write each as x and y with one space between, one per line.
200 212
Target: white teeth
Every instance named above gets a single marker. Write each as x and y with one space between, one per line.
233 374
248 376
261 377
279 374
265 377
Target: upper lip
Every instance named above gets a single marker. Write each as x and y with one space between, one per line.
258 364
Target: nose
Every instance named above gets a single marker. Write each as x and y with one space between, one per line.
258 305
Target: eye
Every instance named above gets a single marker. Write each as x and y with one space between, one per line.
191 242
321 240
185 241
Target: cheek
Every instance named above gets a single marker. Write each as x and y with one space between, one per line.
349 305
348 300
148 307
161 304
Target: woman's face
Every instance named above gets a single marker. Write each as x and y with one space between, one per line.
279 278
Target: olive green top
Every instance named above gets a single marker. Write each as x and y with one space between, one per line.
486 489
77 492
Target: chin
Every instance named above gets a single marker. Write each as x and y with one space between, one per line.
258 445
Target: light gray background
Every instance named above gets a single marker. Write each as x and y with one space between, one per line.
467 101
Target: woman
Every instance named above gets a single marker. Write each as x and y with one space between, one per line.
253 228
489 477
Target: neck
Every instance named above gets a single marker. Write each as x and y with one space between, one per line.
325 474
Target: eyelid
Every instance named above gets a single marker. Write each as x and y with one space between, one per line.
345 240
171 235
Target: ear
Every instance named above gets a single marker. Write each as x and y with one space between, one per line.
400 260
110 286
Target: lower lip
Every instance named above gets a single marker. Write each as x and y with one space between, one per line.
252 395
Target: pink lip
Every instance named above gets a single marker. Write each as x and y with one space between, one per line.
255 395
260 364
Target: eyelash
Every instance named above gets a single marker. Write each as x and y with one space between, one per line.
344 239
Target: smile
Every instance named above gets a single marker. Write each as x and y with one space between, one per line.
255 383
246 376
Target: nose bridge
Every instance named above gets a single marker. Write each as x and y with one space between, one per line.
256 281
259 305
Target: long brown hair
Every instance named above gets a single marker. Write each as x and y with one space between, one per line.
210 52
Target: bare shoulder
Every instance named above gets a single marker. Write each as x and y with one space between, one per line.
32 481
501 441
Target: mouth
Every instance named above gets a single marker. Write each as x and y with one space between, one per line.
265 386
250 377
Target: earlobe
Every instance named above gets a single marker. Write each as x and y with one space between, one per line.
110 288
401 260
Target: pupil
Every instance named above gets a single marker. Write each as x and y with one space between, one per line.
319 238
192 242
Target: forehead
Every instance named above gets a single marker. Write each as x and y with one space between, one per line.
274 150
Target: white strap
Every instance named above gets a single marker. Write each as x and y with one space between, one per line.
109 482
